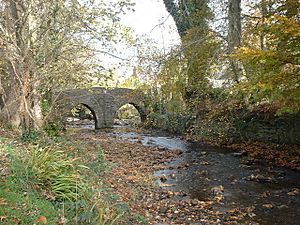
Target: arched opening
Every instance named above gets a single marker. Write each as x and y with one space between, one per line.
128 115
81 116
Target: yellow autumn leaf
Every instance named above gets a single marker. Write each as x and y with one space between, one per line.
42 220
3 201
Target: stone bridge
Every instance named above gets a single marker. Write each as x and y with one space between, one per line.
103 103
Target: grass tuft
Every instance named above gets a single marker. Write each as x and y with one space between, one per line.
55 173
50 183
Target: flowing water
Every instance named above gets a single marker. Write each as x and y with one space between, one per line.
273 192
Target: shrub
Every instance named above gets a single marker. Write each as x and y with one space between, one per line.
30 136
171 122
107 215
53 129
55 174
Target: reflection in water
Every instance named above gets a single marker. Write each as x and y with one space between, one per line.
247 182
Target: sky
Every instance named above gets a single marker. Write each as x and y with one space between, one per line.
151 18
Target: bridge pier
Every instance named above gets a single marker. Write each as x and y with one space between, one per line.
102 123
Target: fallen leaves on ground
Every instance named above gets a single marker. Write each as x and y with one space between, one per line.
282 155
2 202
42 220
294 192
133 181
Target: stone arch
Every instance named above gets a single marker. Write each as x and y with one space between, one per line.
66 109
93 113
68 99
103 103
139 108
97 111
122 96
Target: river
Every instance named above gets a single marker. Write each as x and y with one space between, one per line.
205 172
202 170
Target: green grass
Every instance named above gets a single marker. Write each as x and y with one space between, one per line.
51 170
19 203
25 208
48 178
141 219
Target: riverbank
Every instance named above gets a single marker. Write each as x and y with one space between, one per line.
55 180
258 132
277 154
133 181
221 186
118 176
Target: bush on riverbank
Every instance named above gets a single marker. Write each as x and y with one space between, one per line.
231 125
172 122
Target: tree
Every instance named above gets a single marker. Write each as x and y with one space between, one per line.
234 35
200 45
188 14
47 45
273 66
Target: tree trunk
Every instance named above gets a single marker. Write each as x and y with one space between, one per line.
264 12
234 35
178 16
186 14
21 100
9 114
37 106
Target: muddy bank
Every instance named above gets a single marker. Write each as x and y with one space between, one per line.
278 154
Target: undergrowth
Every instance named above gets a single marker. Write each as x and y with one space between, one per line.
55 181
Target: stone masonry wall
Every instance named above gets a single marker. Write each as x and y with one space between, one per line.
103 103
